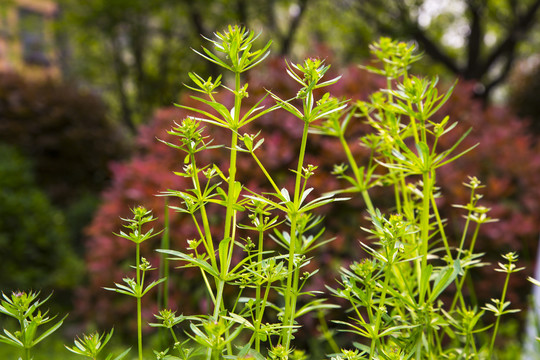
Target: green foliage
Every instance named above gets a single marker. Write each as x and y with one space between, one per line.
24 307
396 293
135 287
401 288
68 142
147 46
33 234
91 345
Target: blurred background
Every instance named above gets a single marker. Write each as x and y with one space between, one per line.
87 86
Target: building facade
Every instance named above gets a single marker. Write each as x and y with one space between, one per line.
27 43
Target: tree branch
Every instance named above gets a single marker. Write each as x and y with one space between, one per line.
502 74
522 24
137 34
241 11
196 18
269 11
434 51
120 74
401 15
474 41
293 28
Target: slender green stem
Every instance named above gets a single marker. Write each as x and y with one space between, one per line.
424 226
232 243
260 316
408 206
259 309
360 180
438 335
501 306
139 308
367 201
219 298
376 341
209 242
424 221
207 238
473 343
441 227
397 192
291 292
230 213
232 178
26 352
326 332
288 316
166 245
357 310
467 222
459 286
163 296
300 163
294 300
268 177
139 327
208 245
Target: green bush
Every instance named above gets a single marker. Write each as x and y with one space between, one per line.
66 134
34 244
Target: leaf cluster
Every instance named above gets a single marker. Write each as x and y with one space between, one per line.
24 307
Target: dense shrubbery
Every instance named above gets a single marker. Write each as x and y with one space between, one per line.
34 243
503 139
64 131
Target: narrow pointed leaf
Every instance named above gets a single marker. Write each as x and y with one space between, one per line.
49 331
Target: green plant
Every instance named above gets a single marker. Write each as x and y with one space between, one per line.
399 287
396 293
501 137
91 345
24 307
411 297
136 287
259 269
32 231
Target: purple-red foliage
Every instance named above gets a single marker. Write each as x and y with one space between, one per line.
505 161
64 131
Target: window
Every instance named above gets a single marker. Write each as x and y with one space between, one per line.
32 37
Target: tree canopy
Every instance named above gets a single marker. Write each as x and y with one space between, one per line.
134 51
475 39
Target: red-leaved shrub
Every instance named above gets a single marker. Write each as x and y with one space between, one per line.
64 131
